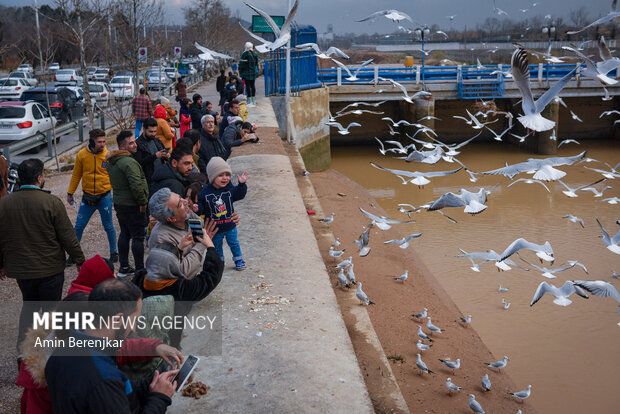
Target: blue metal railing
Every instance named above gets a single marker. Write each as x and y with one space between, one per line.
303 72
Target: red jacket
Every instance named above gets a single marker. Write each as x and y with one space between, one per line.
186 124
94 271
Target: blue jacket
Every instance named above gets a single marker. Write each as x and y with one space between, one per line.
217 203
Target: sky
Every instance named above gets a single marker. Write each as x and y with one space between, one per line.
342 14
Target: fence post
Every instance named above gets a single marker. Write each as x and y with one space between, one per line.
339 76
540 72
102 118
417 74
578 64
376 74
81 130
50 150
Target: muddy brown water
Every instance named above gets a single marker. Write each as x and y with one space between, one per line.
570 355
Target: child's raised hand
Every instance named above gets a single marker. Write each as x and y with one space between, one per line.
243 177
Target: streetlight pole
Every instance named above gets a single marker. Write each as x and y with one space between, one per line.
422 31
288 86
36 9
549 31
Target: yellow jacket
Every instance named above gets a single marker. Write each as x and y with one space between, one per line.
91 170
243 111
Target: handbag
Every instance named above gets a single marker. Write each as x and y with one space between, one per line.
93 200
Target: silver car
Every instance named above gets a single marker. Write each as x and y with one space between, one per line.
156 79
68 77
27 76
100 92
19 120
123 87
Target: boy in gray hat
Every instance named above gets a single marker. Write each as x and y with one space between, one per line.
215 201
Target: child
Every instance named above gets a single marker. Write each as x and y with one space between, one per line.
215 201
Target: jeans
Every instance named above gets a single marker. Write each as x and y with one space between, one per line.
131 223
250 88
138 128
105 211
33 290
233 243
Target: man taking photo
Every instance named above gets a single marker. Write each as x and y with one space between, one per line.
151 152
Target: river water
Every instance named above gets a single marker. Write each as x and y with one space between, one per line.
570 355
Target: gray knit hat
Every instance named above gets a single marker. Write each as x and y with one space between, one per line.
217 166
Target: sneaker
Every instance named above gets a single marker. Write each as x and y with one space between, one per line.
114 257
69 262
126 271
240 264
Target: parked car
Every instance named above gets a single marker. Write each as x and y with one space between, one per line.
155 79
124 73
91 71
68 77
12 88
123 87
54 67
171 73
27 76
81 96
19 120
100 92
101 74
65 104
26 67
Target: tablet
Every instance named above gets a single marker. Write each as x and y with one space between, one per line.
186 370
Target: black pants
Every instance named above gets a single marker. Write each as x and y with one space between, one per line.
47 288
250 88
132 222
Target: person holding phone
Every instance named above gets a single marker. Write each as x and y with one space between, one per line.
151 151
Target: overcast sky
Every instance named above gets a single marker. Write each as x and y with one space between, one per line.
342 14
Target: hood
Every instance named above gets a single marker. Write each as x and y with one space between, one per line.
94 271
167 172
113 156
160 112
32 370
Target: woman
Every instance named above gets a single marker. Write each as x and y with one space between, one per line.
185 117
248 68
164 130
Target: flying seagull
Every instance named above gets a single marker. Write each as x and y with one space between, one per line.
384 223
561 294
474 203
610 242
342 130
362 242
611 16
391 14
404 242
529 181
574 219
352 77
419 178
541 167
208 54
283 35
600 288
543 251
331 51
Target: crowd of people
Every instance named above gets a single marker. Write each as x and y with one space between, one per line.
168 173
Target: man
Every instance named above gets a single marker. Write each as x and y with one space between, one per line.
141 108
236 134
174 174
210 144
196 111
249 71
86 378
181 89
233 111
130 196
90 169
220 84
36 233
151 152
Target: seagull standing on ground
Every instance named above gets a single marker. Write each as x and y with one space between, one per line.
422 335
473 404
362 296
351 274
421 315
403 277
335 253
422 366
451 387
522 395
432 327
486 383
499 364
329 219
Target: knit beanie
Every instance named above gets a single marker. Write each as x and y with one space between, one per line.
164 100
217 166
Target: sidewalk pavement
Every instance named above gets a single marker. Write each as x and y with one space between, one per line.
285 347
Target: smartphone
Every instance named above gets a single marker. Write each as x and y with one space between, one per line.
167 148
163 366
186 370
196 227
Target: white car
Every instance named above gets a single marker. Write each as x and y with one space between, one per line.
79 92
19 120
68 77
11 89
156 79
100 92
101 74
27 76
123 87
54 67
26 67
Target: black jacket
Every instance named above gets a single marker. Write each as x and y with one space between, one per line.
196 113
224 122
210 146
166 176
232 136
85 380
145 157
220 83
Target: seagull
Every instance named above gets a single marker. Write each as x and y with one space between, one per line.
352 77
571 192
358 112
490 255
466 320
532 109
335 253
392 132
529 181
336 242
499 364
432 327
412 209
263 47
362 242
607 97
575 117
404 242
451 387
406 96
600 288
342 130
342 279
612 200
391 14
549 273
615 275
419 178
474 203
522 395
362 296
356 104
521 138
473 404
345 263
422 346
422 366
403 277
607 174
608 62
502 289
591 70
283 35
607 113
478 64
612 243
208 54
451 17
506 304
561 294
574 219
568 141
383 222
498 11
421 314
543 251
498 137
425 157
398 147
611 16
541 167
383 151
422 335
351 274
451 364
331 51
486 383
329 219
434 117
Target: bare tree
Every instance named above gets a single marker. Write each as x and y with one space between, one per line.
579 16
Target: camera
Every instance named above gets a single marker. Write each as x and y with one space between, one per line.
13 178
